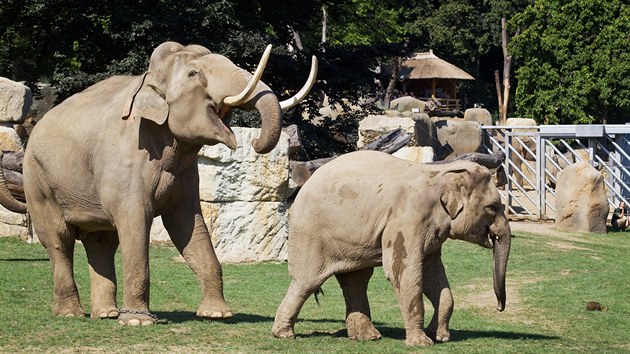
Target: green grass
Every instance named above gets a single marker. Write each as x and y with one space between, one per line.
550 279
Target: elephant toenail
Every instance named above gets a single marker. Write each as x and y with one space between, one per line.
134 322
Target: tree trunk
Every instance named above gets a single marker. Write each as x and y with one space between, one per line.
497 83
507 63
297 39
392 82
324 19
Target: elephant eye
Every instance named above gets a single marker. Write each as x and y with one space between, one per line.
192 73
492 209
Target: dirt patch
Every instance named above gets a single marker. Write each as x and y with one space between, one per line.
567 246
480 297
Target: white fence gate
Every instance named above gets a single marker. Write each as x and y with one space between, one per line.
535 154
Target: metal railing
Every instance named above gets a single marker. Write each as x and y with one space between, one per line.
535 154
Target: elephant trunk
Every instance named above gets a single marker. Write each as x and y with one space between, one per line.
6 198
501 238
266 103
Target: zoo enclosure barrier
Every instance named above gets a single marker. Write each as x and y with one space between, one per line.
535 154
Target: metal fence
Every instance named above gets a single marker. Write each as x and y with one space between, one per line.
535 154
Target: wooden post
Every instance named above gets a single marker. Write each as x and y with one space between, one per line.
507 63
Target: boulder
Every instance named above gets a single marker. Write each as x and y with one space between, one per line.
243 199
242 231
9 138
461 136
15 101
425 131
421 154
521 122
391 113
407 103
581 202
13 224
243 174
479 115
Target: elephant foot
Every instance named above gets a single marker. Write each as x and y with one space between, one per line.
418 339
360 327
105 313
215 312
284 331
442 335
136 318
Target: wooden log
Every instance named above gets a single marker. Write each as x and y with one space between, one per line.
389 142
490 161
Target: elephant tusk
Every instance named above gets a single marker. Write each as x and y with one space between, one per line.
240 98
289 103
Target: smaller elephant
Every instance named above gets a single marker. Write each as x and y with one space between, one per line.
367 209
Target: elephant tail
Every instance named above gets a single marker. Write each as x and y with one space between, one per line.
6 198
316 293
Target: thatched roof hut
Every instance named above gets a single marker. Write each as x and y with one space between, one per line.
425 75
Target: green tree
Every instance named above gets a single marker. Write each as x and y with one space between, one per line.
574 61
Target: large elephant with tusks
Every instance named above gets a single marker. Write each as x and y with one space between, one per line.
100 166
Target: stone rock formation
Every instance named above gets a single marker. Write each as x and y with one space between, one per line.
581 202
243 200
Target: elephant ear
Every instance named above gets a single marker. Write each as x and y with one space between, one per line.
453 192
147 101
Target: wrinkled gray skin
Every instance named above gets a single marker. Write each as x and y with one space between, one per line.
367 209
99 167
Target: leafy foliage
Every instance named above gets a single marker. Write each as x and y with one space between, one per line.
574 61
571 57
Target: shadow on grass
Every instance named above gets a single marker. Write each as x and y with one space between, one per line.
456 335
23 259
464 335
186 316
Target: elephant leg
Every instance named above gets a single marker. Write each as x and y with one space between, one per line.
59 239
190 235
101 248
437 290
403 266
289 309
133 235
358 317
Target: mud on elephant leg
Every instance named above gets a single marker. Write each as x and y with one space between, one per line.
358 317
101 248
437 290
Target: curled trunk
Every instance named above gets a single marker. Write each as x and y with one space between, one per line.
6 198
266 103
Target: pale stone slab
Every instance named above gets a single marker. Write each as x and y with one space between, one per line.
243 174
242 231
421 154
15 100
9 139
